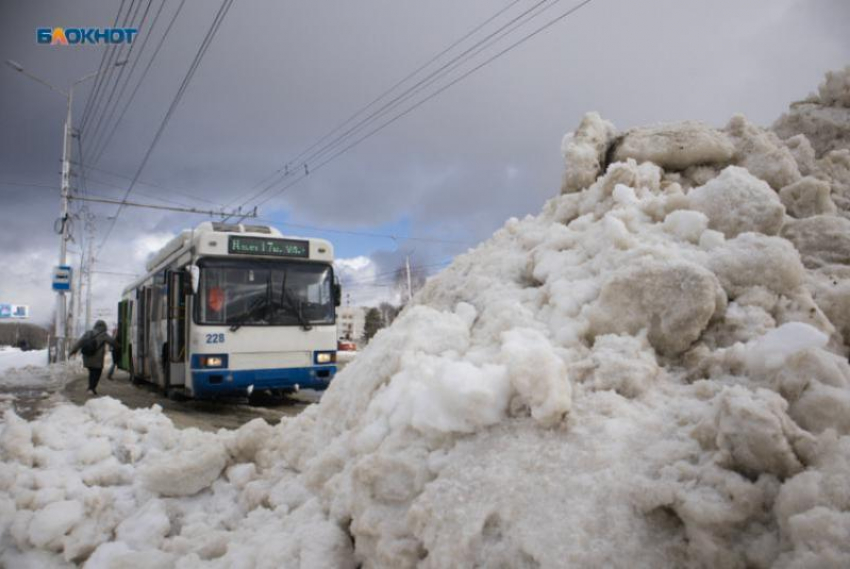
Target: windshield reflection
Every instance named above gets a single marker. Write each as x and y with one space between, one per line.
265 293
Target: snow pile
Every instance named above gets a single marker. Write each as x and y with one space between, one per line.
817 132
652 373
11 358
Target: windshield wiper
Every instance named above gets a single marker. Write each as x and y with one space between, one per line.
260 302
286 299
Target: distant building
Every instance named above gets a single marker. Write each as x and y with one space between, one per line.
350 321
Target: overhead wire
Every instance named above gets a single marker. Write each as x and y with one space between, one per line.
211 32
93 133
104 75
364 233
142 77
371 133
100 67
385 93
151 184
100 140
302 166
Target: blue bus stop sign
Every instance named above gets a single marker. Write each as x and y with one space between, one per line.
62 278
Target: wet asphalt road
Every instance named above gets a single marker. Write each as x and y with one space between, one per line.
206 415
30 403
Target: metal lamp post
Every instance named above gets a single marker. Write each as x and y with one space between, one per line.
61 347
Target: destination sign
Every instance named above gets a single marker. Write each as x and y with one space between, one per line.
271 247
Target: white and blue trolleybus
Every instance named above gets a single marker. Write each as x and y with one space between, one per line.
232 310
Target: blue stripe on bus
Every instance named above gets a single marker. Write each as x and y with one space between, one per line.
236 382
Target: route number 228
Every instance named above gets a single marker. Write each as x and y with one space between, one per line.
215 338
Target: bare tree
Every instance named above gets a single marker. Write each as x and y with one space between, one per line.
374 322
388 312
14 333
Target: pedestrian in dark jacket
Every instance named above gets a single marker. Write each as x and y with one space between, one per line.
116 353
93 347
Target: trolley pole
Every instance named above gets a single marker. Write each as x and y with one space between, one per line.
61 353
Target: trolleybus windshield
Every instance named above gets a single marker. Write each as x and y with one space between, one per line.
262 292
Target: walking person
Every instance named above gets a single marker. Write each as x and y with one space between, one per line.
93 347
116 353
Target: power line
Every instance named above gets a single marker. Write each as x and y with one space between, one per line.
99 141
154 185
412 90
106 73
371 133
363 233
146 194
108 106
385 93
142 76
219 17
377 278
442 71
125 203
100 68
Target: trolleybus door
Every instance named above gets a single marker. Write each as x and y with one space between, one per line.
156 334
140 350
176 328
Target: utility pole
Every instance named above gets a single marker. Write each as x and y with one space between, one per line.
60 348
61 321
409 283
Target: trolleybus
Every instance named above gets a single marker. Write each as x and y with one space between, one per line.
232 310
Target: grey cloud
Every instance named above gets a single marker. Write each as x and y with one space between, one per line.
279 75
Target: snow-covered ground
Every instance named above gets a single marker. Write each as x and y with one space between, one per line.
15 358
650 373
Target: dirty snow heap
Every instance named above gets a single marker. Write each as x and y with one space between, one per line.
650 373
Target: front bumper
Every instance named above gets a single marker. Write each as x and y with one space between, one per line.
225 382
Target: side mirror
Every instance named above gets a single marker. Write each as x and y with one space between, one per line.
193 274
337 292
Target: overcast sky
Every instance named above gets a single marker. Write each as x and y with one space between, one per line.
279 75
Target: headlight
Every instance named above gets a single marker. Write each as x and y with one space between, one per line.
325 357
212 361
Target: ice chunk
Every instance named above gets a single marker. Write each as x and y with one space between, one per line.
185 472
537 374
803 153
675 146
835 89
762 153
622 363
752 259
756 435
50 524
821 240
433 395
822 407
584 152
673 300
830 289
807 197
686 225
775 347
736 202
146 528
825 120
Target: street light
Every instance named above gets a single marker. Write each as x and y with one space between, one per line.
61 346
